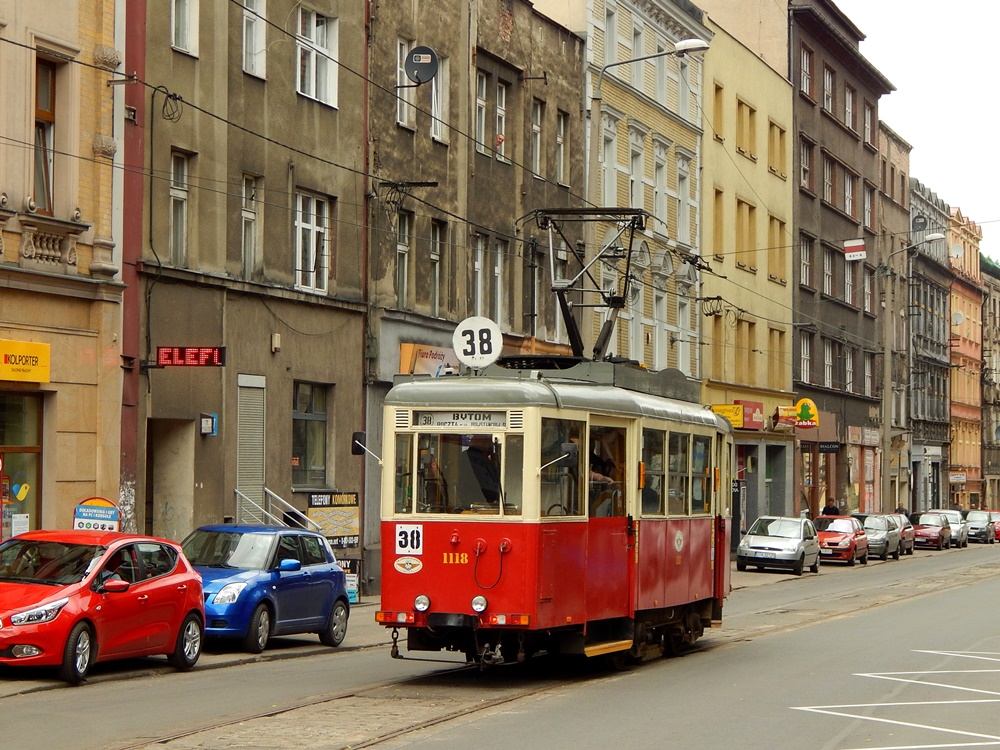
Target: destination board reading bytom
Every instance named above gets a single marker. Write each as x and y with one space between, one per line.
497 419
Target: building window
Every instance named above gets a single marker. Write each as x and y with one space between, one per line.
828 261
179 164
683 201
478 264
719 112
45 131
609 173
805 71
249 213
537 111
805 357
869 371
638 65
481 113
806 150
805 260
849 283
746 129
869 121
776 150
184 26
660 191
828 84
610 35
312 217
562 128
21 448
309 420
404 234
849 369
497 282
440 102
317 43
828 363
828 179
439 241
869 200
746 234
849 108
405 91
254 37
635 187
501 132
849 181
661 72
776 255
868 291
684 88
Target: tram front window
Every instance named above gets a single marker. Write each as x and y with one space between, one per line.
561 462
460 473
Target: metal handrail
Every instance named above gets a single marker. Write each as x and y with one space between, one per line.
242 501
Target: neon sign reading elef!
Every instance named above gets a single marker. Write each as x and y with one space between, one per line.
190 356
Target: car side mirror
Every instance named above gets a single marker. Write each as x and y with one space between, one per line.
115 586
809 536
743 532
288 565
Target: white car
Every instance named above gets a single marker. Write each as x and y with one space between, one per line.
959 526
779 542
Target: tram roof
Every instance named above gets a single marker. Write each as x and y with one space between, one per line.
594 386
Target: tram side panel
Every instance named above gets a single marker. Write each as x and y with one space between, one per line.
676 562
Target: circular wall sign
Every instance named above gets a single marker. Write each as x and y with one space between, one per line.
477 342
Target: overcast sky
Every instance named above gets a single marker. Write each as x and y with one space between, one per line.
943 60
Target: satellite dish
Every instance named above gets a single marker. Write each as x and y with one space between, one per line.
919 223
957 318
956 251
421 65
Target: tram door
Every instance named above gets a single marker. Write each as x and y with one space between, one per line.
609 574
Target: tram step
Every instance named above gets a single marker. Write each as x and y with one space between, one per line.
606 647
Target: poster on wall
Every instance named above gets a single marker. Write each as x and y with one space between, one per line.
338 516
97 514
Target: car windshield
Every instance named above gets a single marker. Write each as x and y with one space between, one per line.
978 516
927 519
782 527
876 523
243 550
840 525
46 562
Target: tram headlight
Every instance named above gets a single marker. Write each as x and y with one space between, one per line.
479 604
422 603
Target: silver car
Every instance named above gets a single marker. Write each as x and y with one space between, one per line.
959 526
981 527
779 542
884 537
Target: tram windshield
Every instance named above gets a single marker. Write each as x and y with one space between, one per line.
459 473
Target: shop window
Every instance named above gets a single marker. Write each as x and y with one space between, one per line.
20 463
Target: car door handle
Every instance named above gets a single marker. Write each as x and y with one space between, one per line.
143 597
182 587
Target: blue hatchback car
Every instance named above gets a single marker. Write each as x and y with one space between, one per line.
262 581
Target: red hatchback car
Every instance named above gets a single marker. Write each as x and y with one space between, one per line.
931 530
842 538
70 599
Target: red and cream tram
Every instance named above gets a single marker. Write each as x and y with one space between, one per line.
569 506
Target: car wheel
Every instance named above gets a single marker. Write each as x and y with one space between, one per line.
814 568
898 551
336 627
259 630
740 565
864 558
885 554
800 565
993 540
78 653
909 550
854 558
188 647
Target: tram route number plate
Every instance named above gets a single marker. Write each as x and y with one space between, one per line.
409 539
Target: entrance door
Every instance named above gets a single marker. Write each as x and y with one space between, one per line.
609 543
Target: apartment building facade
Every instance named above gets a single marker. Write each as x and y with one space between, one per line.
60 260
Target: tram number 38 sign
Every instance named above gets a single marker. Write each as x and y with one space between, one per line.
409 539
477 342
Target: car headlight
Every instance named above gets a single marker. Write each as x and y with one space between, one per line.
229 593
45 613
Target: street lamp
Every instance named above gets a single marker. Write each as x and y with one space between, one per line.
597 138
887 349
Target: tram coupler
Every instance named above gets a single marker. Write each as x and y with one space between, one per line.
394 652
491 658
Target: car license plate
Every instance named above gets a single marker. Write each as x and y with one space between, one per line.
765 554
826 551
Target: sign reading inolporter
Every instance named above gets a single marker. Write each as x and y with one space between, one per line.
25 361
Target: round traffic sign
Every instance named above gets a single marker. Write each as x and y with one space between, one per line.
477 341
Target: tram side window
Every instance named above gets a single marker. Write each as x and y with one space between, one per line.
701 470
561 490
513 473
652 459
677 476
404 474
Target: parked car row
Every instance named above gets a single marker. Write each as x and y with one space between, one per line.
795 543
70 599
